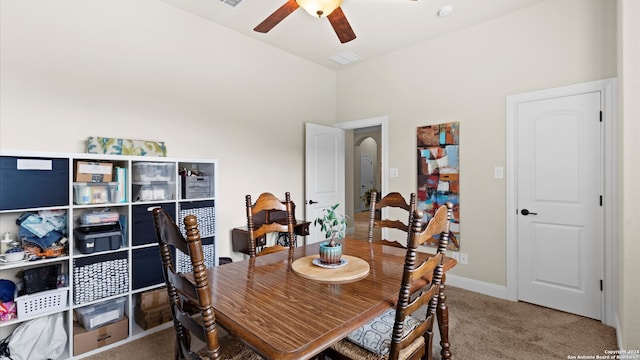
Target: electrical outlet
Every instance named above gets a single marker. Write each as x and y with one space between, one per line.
455 255
464 258
393 172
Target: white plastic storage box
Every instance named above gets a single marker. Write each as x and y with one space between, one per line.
100 314
153 191
85 193
42 302
153 171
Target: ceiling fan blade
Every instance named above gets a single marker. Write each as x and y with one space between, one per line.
341 26
277 16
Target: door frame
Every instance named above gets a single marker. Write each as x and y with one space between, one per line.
608 88
381 121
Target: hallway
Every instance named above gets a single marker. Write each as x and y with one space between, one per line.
361 226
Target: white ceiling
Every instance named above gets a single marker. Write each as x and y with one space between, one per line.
381 26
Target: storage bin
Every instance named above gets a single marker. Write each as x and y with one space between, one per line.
85 193
143 230
100 276
146 268
153 171
196 187
204 211
100 314
90 239
153 191
42 302
33 182
183 261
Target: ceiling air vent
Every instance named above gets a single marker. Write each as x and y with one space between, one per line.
345 57
232 3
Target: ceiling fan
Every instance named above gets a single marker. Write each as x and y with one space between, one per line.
320 8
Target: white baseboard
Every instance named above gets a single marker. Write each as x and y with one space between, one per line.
627 356
618 332
478 286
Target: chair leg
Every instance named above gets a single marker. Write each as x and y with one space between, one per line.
428 355
443 325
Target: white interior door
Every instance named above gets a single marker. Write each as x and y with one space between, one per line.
366 177
324 173
560 215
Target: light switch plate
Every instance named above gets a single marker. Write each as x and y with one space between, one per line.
498 172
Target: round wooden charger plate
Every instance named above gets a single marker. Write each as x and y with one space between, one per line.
354 270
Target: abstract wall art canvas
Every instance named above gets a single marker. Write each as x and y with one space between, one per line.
439 173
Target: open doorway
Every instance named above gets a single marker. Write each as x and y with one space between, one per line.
367 175
365 168
366 165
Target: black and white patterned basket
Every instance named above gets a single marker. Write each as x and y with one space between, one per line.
205 212
184 263
206 220
97 277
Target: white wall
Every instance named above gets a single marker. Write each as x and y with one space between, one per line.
629 246
142 69
146 70
465 76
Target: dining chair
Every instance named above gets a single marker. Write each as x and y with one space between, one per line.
258 231
391 200
406 331
190 299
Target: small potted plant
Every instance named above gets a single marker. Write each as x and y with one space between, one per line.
366 198
333 226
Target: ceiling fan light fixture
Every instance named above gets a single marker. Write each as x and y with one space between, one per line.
319 8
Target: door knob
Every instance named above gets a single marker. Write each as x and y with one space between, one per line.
311 202
526 212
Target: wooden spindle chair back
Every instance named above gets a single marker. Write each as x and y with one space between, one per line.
391 200
183 293
265 204
415 270
421 287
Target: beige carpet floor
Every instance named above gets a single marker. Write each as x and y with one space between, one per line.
484 327
481 327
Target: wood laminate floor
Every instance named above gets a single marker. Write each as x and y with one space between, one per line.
361 226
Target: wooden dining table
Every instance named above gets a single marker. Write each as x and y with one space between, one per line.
283 315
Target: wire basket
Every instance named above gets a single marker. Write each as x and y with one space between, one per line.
42 302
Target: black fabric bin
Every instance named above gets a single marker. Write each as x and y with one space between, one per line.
143 230
33 182
147 267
